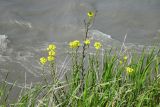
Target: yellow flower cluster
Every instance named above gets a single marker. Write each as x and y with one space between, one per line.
74 44
87 42
51 54
51 47
129 70
43 60
50 58
97 45
90 14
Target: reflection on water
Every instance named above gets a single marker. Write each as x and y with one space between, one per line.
31 24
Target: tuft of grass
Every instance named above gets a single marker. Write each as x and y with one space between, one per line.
111 86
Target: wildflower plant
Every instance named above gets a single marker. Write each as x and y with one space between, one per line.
88 24
94 80
51 54
50 59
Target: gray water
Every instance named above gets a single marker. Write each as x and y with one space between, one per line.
28 26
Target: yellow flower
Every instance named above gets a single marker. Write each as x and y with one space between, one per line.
90 14
125 57
87 42
51 47
129 70
74 44
51 53
77 43
43 60
51 58
97 45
